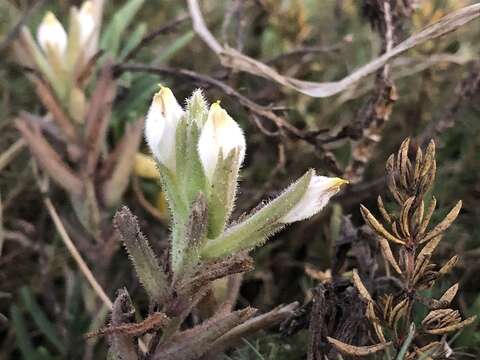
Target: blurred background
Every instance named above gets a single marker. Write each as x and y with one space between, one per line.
431 91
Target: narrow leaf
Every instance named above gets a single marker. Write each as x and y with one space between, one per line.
118 25
406 344
41 320
144 260
49 159
97 118
121 162
22 337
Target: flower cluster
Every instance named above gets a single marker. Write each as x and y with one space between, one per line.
55 43
200 152
61 58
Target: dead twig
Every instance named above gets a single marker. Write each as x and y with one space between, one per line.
8 155
76 254
372 118
234 59
255 108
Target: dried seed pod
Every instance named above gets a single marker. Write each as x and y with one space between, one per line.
357 350
419 214
449 294
426 253
383 211
418 164
444 224
377 226
397 312
362 290
405 216
436 317
395 230
443 321
387 301
376 323
453 327
402 158
428 216
445 269
391 182
387 254
428 159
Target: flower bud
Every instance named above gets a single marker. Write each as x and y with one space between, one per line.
319 192
161 126
86 20
219 134
52 35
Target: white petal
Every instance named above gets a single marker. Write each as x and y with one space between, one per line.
220 133
86 19
51 34
161 126
319 192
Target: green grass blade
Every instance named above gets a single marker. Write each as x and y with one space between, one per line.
24 342
41 320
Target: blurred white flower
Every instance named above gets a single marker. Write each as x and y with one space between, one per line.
220 133
86 20
161 126
51 35
319 192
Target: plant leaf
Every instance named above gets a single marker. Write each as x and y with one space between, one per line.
114 31
144 260
121 162
255 229
41 320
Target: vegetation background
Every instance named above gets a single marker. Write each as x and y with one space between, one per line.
47 305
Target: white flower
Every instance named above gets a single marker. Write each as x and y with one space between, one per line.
220 133
161 126
51 34
319 192
86 20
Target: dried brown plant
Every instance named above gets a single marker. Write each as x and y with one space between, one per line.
407 243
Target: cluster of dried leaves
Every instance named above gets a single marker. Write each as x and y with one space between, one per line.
392 314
